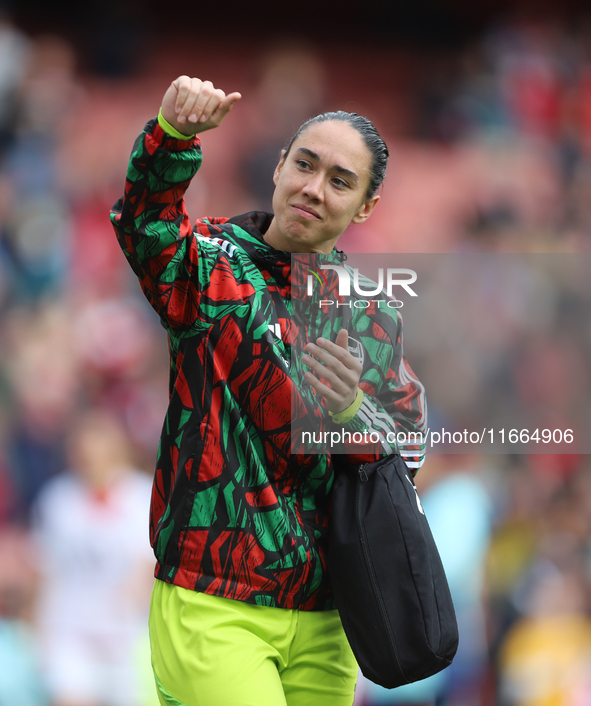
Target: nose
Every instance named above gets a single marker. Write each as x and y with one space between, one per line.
314 186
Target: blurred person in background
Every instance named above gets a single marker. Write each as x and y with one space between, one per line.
37 220
242 611
42 378
15 48
89 525
540 624
545 659
21 679
291 88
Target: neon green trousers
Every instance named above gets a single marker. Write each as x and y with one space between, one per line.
212 651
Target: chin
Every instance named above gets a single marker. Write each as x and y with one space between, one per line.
303 244
298 238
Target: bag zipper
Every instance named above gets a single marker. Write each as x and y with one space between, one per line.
363 478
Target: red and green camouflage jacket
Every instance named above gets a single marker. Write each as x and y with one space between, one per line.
233 512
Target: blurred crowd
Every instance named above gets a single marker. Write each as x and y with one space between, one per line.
491 152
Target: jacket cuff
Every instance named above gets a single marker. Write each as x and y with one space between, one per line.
347 414
170 130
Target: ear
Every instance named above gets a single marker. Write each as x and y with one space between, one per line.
279 167
366 210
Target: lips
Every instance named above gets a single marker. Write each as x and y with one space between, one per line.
305 211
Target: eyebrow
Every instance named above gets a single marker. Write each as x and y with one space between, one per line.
336 167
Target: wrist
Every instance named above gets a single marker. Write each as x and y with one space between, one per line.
171 130
347 414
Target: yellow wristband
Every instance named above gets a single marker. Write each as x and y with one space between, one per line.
347 414
169 130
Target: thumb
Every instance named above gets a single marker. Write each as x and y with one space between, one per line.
342 339
227 104
229 100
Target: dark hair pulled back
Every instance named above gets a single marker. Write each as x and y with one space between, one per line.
370 136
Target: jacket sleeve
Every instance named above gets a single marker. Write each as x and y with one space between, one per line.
392 406
153 227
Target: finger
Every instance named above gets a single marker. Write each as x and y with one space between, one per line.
212 105
201 92
225 107
191 96
315 353
183 86
335 401
324 386
196 100
342 339
332 378
321 388
201 100
339 352
337 358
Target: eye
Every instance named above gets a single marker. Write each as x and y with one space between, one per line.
303 164
340 183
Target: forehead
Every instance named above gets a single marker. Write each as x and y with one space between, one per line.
338 144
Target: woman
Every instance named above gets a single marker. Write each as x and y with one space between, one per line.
95 567
242 610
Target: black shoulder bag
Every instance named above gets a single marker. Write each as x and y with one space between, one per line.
388 580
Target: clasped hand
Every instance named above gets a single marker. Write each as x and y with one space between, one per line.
339 370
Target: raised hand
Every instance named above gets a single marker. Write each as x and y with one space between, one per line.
191 105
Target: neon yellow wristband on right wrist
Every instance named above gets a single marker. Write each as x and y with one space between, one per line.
170 130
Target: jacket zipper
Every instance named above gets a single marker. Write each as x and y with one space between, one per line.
363 478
